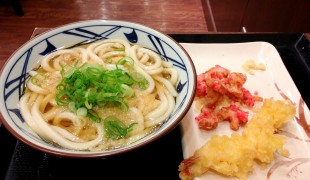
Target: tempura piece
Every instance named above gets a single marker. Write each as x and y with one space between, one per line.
222 95
235 156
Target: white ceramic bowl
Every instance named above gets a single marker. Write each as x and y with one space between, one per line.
14 73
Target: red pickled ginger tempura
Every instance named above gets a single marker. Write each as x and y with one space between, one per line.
222 97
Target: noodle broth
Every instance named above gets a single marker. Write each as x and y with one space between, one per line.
98 97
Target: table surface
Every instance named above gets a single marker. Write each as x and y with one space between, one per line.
169 16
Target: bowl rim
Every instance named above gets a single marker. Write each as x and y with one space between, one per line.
101 154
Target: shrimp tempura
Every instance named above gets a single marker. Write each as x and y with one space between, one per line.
235 156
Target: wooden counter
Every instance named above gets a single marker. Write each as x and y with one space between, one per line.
169 16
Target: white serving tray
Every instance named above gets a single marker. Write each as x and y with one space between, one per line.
274 82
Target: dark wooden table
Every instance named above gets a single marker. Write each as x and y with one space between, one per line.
169 16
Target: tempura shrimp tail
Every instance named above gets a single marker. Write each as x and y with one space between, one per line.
189 169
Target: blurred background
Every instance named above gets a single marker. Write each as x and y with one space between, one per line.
18 18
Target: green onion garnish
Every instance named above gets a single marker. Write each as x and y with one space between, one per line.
90 85
115 128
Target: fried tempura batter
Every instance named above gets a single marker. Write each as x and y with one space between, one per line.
222 95
250 65
235 156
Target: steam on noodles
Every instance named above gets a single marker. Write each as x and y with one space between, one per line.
98 97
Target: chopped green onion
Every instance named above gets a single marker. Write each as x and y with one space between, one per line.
37 78
71 106
127 91
93 116
126 60
137 76
91 85
115 128
81 111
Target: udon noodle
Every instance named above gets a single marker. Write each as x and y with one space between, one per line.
102 96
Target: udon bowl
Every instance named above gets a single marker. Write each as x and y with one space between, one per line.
15 72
